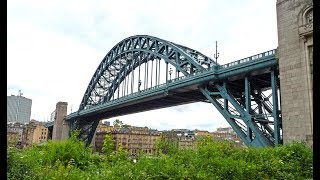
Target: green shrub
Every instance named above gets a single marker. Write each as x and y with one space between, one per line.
71 159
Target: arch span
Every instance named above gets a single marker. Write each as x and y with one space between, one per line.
129 54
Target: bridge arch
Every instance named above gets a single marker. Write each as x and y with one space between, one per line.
129 54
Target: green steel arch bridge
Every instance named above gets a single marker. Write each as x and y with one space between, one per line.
143 73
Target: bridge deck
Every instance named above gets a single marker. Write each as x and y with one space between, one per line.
184 90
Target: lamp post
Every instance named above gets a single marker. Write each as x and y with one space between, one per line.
139 84
217 54
216 57
170 72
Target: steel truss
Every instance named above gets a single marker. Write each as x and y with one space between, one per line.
251 114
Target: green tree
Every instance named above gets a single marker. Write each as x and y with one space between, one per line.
117 122
125 126
108 145
165 146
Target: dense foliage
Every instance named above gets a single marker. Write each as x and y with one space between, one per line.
210 160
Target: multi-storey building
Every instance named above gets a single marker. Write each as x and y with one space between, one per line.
227 133
184 138
200 134
136 139
133 139
18 108
103 128
228 130
34 133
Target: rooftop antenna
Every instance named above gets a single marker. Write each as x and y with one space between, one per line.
216 55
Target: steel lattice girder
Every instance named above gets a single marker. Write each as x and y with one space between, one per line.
133 51
87 129
257 130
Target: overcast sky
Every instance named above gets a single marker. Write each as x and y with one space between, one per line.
54 47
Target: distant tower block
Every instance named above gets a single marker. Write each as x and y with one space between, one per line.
60 127
295 53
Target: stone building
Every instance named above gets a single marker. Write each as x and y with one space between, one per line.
34 133
105 127
136 139
295 53
133 139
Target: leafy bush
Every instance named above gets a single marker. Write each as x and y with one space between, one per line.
70 159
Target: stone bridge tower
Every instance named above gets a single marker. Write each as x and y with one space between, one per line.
295 53
61 127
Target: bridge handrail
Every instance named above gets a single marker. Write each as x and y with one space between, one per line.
250 58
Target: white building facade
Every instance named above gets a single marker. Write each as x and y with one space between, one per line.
18 109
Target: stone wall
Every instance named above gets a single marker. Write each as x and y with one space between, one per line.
295 38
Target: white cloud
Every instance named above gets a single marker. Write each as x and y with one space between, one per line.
54 47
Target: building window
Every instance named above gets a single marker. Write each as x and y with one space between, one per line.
309 16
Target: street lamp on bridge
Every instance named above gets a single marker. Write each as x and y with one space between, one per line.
139 84
170 72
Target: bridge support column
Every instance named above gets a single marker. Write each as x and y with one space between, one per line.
248 105
60 127
87 129
275 110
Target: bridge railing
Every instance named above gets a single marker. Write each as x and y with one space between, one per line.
244 60
251 58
